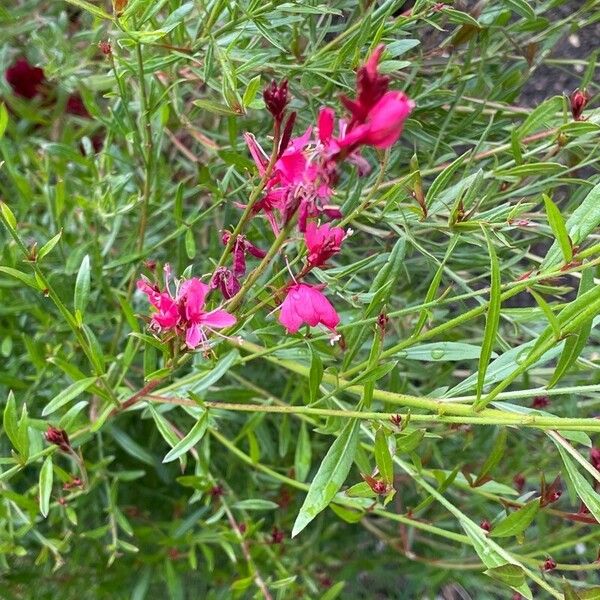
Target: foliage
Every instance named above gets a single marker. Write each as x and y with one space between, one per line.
421 451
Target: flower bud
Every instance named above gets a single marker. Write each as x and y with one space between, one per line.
276 98
549 564
105 47
59 438
579 99
485 525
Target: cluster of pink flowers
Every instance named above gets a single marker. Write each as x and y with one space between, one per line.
300 183
183 312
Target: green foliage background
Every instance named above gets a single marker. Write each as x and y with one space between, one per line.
171 105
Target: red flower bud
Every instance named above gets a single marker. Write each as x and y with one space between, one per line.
540 402
519 482
396 420
579 99
276 98
549 564
105 47
59 438
277 536
25 79
485 525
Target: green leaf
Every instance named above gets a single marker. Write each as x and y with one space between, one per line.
518 521
584 490
334 591
383 457
3 119
582 222
68 394
255 504
303 454
215 108
492 318
251 90
541 116
10 421
315 375
441 181
8 215
330 476
91 8
190 440
45 486
23 277
441 352
559 229
512 576
49 245
494 457
200 382
407 443
530 170
82 285
574 344
521 7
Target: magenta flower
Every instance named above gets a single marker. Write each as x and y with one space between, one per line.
322 242
306 304
240 248
25 79
226 281
184 312
377 115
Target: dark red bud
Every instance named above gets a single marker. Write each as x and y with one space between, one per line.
396 420
105 47
277 536
549 564
485 525
382 321
276 98
59 438
540 402
217 491
579 99
519 481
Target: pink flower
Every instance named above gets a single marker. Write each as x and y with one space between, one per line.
322 242
25 79
377 115
383 124
306 304
184 312
226 281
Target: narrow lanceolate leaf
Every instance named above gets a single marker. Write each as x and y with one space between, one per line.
383 457
494 457
49 245
315 375
513 576
492 318
518 521
45 486
190 440
584 490
303 454
575 344
543 116
443 179
10 422
584 219
331 475
559 228
67 395
3 119
82 285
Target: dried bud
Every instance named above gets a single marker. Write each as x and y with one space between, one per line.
226 281
59 438
519 482
277 536
549 564
579 99
276 98
105 47
485 525
540 402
